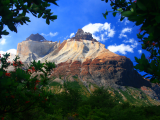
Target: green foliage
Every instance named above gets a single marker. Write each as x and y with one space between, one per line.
10 18
99 105
143 12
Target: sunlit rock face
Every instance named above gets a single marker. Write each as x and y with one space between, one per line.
89 60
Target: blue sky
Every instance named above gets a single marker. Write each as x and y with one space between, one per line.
118 36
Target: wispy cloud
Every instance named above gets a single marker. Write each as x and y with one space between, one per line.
120 48
124 31
50 34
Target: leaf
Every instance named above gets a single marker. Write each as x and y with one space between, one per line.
137 60
4 32
44 16
139 20
132 10
141 6
143 56
48 10
158 73
56 3
122 18
154 80
5 2
153 65
17 19
27 19
12 27
33 14
53 17
122 1
149 70
6 82
157 18
111 4
40 14
104 15
120 9
114 14
127 13
144 46
1 73
131 18
138 67
21 23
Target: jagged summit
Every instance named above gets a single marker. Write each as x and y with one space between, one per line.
36 37
83 35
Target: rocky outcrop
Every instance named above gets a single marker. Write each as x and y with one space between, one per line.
36 37
81 35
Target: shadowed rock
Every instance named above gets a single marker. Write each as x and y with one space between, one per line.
83 35
36 37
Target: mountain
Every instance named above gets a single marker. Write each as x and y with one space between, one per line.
93 66
34 47
36 37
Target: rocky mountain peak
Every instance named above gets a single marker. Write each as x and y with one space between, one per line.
90 62
83 35
36 37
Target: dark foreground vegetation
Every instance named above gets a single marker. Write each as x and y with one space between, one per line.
99 106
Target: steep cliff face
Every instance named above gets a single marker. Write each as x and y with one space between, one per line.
90 61
31 50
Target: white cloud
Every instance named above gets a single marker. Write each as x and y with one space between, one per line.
53 34
134 43
71 35
124 31
43 34
50 34
120 48
124 48
13 51
127 21
103 39
98 27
